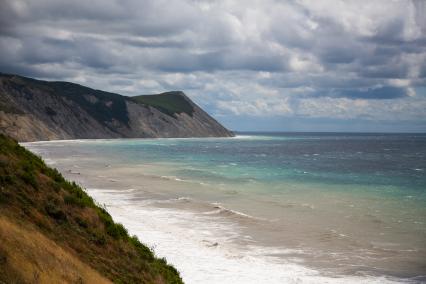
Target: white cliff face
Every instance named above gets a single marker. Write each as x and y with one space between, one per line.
33 110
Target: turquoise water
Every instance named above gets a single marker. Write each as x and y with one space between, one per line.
342 204
397 160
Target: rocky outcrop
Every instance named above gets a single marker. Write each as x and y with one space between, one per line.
33 110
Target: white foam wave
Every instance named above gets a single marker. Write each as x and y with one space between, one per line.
49 161
176 179
220 210
204 251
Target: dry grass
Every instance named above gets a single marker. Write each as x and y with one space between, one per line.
28 256
53 232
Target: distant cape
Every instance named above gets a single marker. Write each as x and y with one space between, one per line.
32 110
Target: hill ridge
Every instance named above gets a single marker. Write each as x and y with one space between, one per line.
33 110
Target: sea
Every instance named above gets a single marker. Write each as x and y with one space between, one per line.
264 207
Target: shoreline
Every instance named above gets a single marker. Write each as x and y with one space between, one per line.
217 251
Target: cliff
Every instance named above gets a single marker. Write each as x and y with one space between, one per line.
51 231
33 110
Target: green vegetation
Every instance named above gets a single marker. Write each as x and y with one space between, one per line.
169 103
35 195
103 106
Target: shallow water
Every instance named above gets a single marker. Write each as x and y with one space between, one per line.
265 208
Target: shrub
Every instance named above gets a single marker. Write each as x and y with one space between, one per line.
169 272
81 222
104 215
3 197
55 175
77 195
29 178
98 238
56 213
7 179
24 199
143 250
72 200
116 230
56 187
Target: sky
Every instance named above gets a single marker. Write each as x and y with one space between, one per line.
267 65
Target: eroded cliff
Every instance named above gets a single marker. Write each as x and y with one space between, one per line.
33 110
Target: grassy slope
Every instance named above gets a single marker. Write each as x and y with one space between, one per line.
105 106
42 208
29 256
169 103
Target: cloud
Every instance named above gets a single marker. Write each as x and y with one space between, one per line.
259 58
376 93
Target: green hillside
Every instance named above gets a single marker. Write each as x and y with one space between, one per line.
169 103
103 106
51 229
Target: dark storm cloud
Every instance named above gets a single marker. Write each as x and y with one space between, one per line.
175 25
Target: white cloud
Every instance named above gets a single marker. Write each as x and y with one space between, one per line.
260 58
